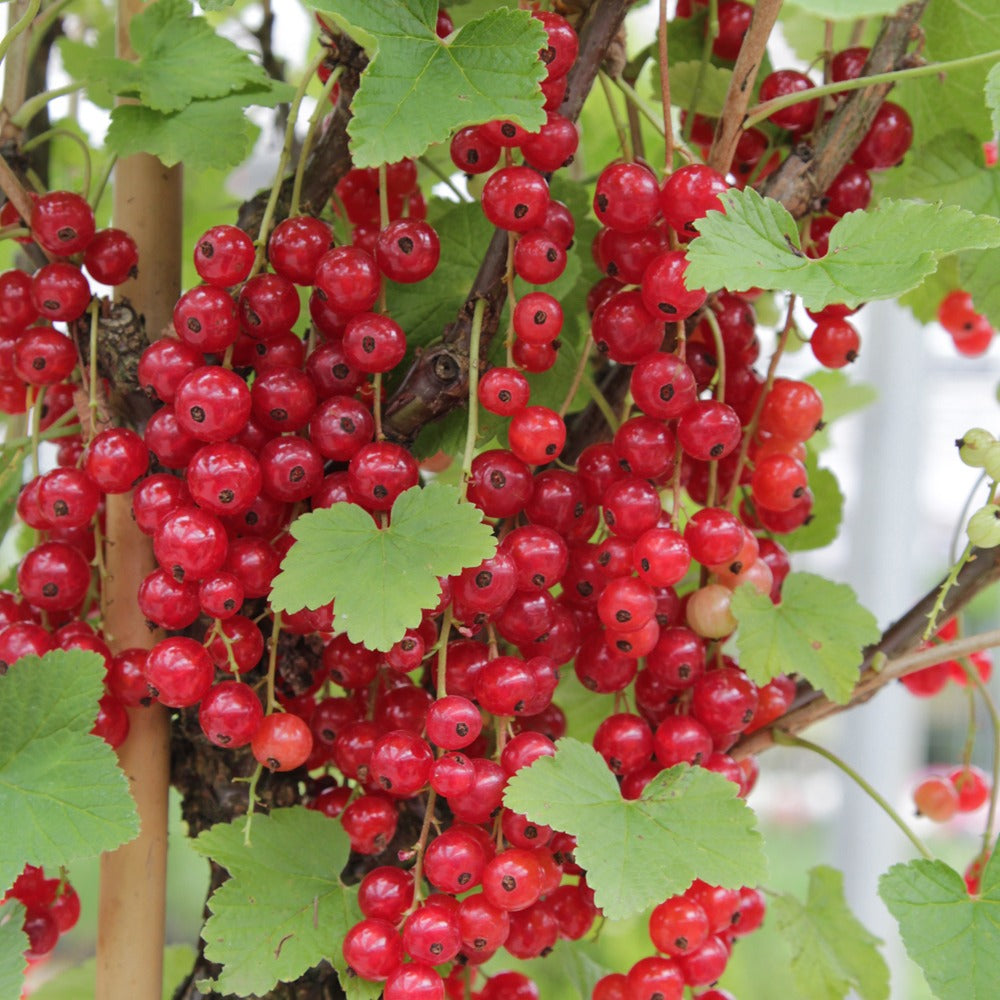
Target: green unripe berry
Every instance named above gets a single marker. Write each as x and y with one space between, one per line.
973 445
983 528
991 463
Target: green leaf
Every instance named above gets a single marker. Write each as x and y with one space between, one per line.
993 95
574 966
831 951
688 824
684 83
283 908
953 29
872 255
61 783
417 88
923 301
13 942
86 62
205 134
80 980
180 58
846 10
818 631
827 514
952 936
381 579
977 274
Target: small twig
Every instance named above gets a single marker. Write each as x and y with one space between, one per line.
741 85
668 127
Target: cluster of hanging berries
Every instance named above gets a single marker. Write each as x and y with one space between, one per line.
970 331
51 908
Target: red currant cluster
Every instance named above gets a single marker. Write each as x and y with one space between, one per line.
51 907
971 332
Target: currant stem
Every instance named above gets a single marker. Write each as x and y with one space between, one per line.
628 154
472 423
421 846
29 15
102 181
319 113
93 406
787 739
581 369
33 105
767 108
272 664
251 802
441 685
973 674
286 154
17 194
946 585
63 133
668 127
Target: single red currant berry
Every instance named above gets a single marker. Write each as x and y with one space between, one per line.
407 250
536 434
62 222
230 713
224 256
282 742
112 257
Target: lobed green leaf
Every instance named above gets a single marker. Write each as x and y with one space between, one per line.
13 942
61 783
952 936
818 631
831 952
688 824
283 908
418 88
381 579
872 255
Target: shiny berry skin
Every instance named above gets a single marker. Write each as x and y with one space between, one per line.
268 306
500 483
655 978
224 256
296 245
373 343
205 319
43 356
538 259
212 403
230 713
734 20
504 391
624 329
847 64
167 602
512 880
453 722
414 981
400 763
797 117
515 199
849 191
431 932
835 343
179 672
379 472
724 700
348 279
370 823
340 426
553 146
16 307
536 434
386 893
190 543
625 741
407 250
164 364
792 410
625 198
972 785
631 506
54 576
223 478
661 557
665 292
330 372
678 926
115 458
62 222
681 739
282 742
373 948
68 497
563 45
662 385
778 482
111 257
688 194
472 152
709 430
887 140
60 292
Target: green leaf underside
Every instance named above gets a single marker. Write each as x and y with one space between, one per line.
952 29
181 58
283 908
831 952
13 942
846 10
417 89
952 936
872 255
688 824
60 787
381 579
818 631
206 134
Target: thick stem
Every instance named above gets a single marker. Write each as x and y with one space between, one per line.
808 171
132 909
751 55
